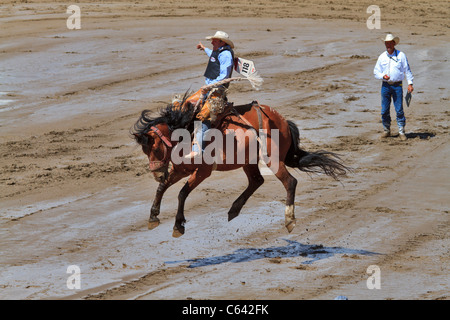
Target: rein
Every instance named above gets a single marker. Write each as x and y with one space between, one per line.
158 164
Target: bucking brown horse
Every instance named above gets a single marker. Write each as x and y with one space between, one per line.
161 137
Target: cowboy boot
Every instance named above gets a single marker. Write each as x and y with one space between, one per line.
401 133
386 133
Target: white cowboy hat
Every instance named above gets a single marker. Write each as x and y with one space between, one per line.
390 37
222 36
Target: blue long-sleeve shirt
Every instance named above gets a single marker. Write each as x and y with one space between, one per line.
226 65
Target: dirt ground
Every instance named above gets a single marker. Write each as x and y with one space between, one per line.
76 190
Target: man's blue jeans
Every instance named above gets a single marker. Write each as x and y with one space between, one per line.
395 92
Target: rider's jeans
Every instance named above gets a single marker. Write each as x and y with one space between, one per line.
205 125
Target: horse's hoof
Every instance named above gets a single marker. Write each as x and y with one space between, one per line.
177 233
290 226
153 224
231 216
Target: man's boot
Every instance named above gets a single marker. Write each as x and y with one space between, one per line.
401 133
386 133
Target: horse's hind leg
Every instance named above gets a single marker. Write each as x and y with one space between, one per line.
255 180
289 183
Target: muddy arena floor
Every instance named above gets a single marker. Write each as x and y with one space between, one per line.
76 189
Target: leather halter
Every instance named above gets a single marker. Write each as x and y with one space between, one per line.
158 164
162 136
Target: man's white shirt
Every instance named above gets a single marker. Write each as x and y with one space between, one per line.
396 66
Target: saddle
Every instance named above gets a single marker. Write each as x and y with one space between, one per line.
210 105
227 110
214 106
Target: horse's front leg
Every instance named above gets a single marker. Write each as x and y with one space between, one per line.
153 221
172 178
194 180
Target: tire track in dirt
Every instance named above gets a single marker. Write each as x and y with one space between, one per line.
134 289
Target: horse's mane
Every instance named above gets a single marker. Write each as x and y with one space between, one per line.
172 115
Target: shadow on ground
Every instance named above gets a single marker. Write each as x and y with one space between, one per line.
420 135
291 249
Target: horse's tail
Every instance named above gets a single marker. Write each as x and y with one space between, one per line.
313 162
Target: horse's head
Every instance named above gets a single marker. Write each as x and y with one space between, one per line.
157 146
153 133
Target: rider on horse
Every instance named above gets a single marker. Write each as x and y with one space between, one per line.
212 102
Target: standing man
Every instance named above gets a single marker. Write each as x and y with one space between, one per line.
220 67
391 68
